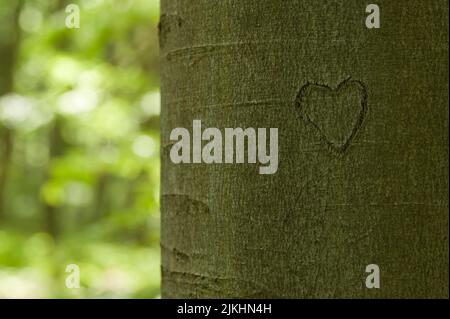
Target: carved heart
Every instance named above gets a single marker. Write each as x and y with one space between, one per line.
337 114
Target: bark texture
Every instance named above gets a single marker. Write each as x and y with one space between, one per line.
363 148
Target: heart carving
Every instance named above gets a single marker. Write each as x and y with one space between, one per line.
337 114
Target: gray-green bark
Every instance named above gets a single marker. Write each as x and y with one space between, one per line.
363 148
9 42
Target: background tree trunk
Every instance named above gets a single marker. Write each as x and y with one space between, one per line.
363 147
9 43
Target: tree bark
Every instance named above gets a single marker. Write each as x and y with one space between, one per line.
362 116
9 44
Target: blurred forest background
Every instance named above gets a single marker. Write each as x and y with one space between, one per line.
79 149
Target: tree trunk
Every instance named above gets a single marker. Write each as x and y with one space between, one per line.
9 44
362 116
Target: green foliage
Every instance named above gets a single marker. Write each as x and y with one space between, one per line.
82 176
